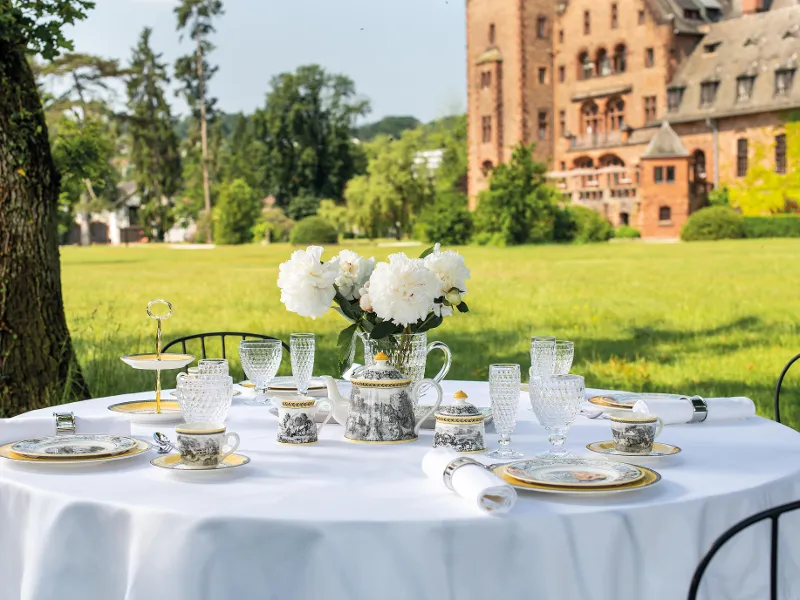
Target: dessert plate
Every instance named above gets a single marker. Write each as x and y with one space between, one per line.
72 446
150 361
144 411
573 472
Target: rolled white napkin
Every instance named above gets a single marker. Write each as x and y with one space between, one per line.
23 427
484 489
677 411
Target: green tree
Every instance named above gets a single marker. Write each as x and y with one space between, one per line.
37 359
306 130
195 17
334 214
239 153
519 207
155 156
447 220
236 213
391 126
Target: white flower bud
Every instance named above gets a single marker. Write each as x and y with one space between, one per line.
453 297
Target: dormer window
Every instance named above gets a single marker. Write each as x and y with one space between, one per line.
691 14
711 48
783 81
708 92
744 87
674 98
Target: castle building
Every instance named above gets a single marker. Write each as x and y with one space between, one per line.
639 107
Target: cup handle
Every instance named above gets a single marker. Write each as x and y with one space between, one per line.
232 448
415 394
328 418
448 358
659 428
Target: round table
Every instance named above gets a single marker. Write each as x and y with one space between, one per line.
345 521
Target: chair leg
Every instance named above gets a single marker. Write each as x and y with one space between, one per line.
778 387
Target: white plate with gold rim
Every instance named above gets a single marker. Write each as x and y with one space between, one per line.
6 452
172 462
144 411
151 362
573 472
86 445
650 478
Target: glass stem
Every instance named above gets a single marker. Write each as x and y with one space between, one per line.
505 439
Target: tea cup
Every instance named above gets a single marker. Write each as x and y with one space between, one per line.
297 420
203 445
634 433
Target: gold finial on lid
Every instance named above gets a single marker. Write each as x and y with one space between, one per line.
381 356
460 395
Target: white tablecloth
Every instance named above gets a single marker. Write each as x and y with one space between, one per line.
345 521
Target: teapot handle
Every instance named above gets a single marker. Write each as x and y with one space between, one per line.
415 394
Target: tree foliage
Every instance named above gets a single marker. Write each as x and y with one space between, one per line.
38 24
391 126
334 214
306 131
236 213
447 220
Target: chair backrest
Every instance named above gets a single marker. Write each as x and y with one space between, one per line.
773 514
778 387
222 335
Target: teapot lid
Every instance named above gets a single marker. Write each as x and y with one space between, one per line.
381 374
460 408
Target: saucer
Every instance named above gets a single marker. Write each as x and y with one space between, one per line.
172 462
609 449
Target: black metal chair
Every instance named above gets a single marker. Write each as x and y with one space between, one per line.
221 335
773 514
778 387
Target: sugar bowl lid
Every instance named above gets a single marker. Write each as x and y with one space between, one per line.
460 411
381 374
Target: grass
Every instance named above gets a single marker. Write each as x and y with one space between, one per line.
715 319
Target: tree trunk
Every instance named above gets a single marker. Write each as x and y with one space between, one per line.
37 363
204 137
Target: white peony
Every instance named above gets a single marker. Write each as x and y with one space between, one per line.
403 290
306 283
451 271
354 272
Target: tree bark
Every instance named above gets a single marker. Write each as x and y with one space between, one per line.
38 366
204 136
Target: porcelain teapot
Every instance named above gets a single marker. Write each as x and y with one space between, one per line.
381 406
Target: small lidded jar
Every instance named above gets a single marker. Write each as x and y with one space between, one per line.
460 426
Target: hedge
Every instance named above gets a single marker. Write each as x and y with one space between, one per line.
713 223
313 230
782 226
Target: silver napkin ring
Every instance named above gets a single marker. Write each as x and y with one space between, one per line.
453 466
65 422
700 409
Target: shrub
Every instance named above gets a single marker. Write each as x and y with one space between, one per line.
564 225
713 223
235 213
627 232
446 221
301 206
719 196
590 226
275 222
772 226
314 230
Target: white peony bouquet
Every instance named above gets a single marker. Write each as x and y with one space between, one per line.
402 296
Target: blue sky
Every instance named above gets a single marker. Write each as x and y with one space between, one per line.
406 56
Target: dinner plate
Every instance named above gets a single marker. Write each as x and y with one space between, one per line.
151 362
609 448
650 478
172 462
77 445
144 411
7 453
573 472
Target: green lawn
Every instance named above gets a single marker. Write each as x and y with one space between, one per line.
714 319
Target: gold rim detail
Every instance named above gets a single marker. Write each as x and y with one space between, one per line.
394 383
470 420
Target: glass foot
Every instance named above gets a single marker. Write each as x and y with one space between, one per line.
505 452
556 455
259 401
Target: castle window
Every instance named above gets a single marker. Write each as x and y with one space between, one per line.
542 129
560 36
780 153
708 92
620 58
562 74
486 79
563 166
674 98
541 28
624 218
542 75
562 122
590 116
585 66
649 58
615 109
587 23
492 32
698 165
691 14
486 127
658 174
783 81
486 168
741 157
641 17
603 63
649 109
664 215
670 174
744 87
614 16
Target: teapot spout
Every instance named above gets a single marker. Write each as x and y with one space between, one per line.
340 407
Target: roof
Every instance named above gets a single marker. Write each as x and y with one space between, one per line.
672 11
749 46
491 55
665 144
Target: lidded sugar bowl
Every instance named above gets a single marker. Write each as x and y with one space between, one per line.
460 426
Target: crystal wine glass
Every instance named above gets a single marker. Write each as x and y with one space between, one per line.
543 356
302 346
504 383
565 353
556 401
260 361
213 366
